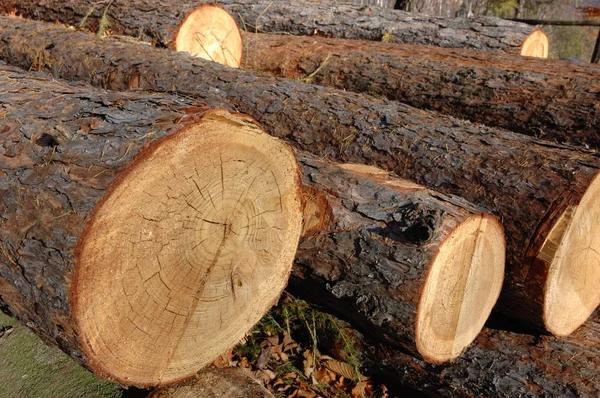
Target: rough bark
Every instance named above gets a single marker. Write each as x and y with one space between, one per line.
59 155
528 183
67 157
370 259
498 364
157 22
400 228
556 101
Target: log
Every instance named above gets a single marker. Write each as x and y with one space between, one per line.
499 363
161 24
120 244
395 26
542 192
520 94
415 268
210 33
158 22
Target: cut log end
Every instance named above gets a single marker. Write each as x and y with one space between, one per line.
461 289
535 45
209 32
187 251
572 292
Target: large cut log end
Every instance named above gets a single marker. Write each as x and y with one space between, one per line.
535 45
573 246
462 287
209 32
188 249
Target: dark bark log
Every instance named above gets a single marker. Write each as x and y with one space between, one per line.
387 236
88 263
498 364
556 101
528 183
157 22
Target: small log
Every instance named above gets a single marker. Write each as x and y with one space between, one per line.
142 235
217 383
158 23
521 94
418 269
543 192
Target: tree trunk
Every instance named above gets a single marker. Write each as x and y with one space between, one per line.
158 23
521 94
120 244
543 192
420 270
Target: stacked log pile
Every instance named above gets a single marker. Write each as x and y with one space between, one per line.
159 22
199 212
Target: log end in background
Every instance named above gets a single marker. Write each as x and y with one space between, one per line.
573 252
209 32
188 249
535 45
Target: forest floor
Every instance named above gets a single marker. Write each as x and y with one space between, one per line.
287 350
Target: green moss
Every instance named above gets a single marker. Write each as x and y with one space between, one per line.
568 43
31 369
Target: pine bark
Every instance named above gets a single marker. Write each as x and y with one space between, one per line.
528 183
555 101
58 156
157 22
370 243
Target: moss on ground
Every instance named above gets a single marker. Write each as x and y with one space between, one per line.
31 369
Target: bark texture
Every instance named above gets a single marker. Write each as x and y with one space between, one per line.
373 245
528 183
60 148
157 22
557 101
498 364
387 230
